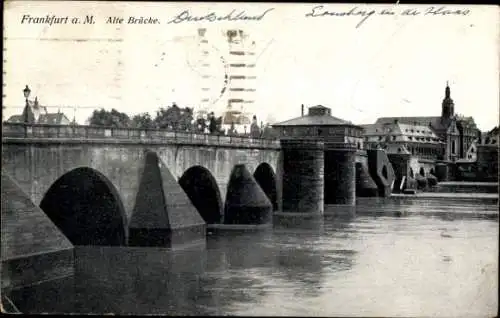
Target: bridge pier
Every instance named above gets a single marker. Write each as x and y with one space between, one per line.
163 215
340 176
303 179
246 202
37 260
365 186
381 171
401 166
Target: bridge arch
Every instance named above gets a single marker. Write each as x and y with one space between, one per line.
203 191
87 208
266 178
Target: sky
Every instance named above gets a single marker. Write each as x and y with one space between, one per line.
389 65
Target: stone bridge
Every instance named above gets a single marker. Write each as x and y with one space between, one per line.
119 186
108 173
66 186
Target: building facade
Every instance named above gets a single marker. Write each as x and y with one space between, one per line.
38 114
319 124
487 156
446 137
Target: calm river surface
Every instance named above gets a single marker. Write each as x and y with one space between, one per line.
367 265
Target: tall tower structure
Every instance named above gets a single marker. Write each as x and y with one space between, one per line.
448 106
242 76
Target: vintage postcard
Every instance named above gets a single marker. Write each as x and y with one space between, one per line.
250 159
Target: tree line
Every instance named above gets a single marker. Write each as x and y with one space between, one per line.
173 118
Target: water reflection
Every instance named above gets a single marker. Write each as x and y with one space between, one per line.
137 280
368 264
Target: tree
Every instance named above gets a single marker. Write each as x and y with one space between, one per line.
200 125
168 118
175 118
186 119
143 120
111 118
218 126
212 123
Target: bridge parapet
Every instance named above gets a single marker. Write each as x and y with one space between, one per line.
303 141
20 131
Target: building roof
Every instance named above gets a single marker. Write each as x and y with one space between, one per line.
401 149
52 118
15 119
493 132
49 118
436 122
320 116
409 132
44 118
307 120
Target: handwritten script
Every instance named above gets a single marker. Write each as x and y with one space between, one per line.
186 16
321 11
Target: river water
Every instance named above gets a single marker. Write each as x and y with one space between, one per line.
363 265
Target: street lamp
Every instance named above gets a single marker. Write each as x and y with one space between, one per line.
26 92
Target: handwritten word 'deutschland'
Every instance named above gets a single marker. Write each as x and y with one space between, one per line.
186 16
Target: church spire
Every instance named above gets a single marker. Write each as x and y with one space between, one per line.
447 110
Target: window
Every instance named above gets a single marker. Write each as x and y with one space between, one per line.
393 137
422 171
453 146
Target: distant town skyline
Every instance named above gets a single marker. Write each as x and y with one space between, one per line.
389 66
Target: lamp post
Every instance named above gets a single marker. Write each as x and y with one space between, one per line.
26 92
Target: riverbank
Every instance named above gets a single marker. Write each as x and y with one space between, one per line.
447 195
443 205
466 187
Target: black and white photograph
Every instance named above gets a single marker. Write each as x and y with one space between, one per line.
250 159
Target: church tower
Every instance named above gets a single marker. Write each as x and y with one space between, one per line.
447 105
